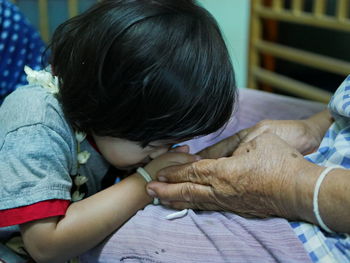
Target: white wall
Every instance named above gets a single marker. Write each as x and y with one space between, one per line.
233 19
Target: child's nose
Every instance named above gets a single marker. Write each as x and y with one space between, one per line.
159 151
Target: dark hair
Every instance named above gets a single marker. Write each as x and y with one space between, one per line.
144 70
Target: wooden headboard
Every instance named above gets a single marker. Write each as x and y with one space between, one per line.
264 16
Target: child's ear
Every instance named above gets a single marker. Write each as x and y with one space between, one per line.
181 149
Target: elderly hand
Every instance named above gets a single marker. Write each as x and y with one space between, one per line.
304 135
259 179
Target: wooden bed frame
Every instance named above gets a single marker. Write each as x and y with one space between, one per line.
275 10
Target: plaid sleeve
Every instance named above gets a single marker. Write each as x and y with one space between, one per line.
334 150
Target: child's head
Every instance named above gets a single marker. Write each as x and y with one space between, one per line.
144 71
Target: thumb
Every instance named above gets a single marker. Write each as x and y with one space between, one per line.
224 148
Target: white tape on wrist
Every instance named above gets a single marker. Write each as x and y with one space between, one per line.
148 179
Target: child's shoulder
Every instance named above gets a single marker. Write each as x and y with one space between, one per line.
31 105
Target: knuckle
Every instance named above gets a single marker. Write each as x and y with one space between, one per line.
187 192
193 173
202 170
184 193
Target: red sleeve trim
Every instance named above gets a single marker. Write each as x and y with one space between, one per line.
40 210
92 142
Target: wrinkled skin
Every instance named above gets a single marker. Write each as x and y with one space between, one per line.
258 180
303 135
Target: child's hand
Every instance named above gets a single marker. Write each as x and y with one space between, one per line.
169 159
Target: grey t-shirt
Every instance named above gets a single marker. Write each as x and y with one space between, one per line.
38 151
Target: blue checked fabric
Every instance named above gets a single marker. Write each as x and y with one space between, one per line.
20 45
333 151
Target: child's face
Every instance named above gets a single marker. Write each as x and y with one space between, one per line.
125 154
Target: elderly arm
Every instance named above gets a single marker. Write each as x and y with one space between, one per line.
304 135
264 177
333 200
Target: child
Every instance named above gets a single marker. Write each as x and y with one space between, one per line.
131 78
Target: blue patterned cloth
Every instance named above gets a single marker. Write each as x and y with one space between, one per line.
20 45
333 151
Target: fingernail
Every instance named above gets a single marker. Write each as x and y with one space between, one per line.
162 179
151 192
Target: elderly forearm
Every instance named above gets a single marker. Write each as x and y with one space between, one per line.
333 199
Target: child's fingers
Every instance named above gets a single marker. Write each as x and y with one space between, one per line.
183 158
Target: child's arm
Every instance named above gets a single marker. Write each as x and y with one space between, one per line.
89 221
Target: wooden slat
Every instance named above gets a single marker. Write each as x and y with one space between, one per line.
297 6
73 8
277 4
317 18
255 34
319 7
305 19
342 9
328 64
44 20
291 86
